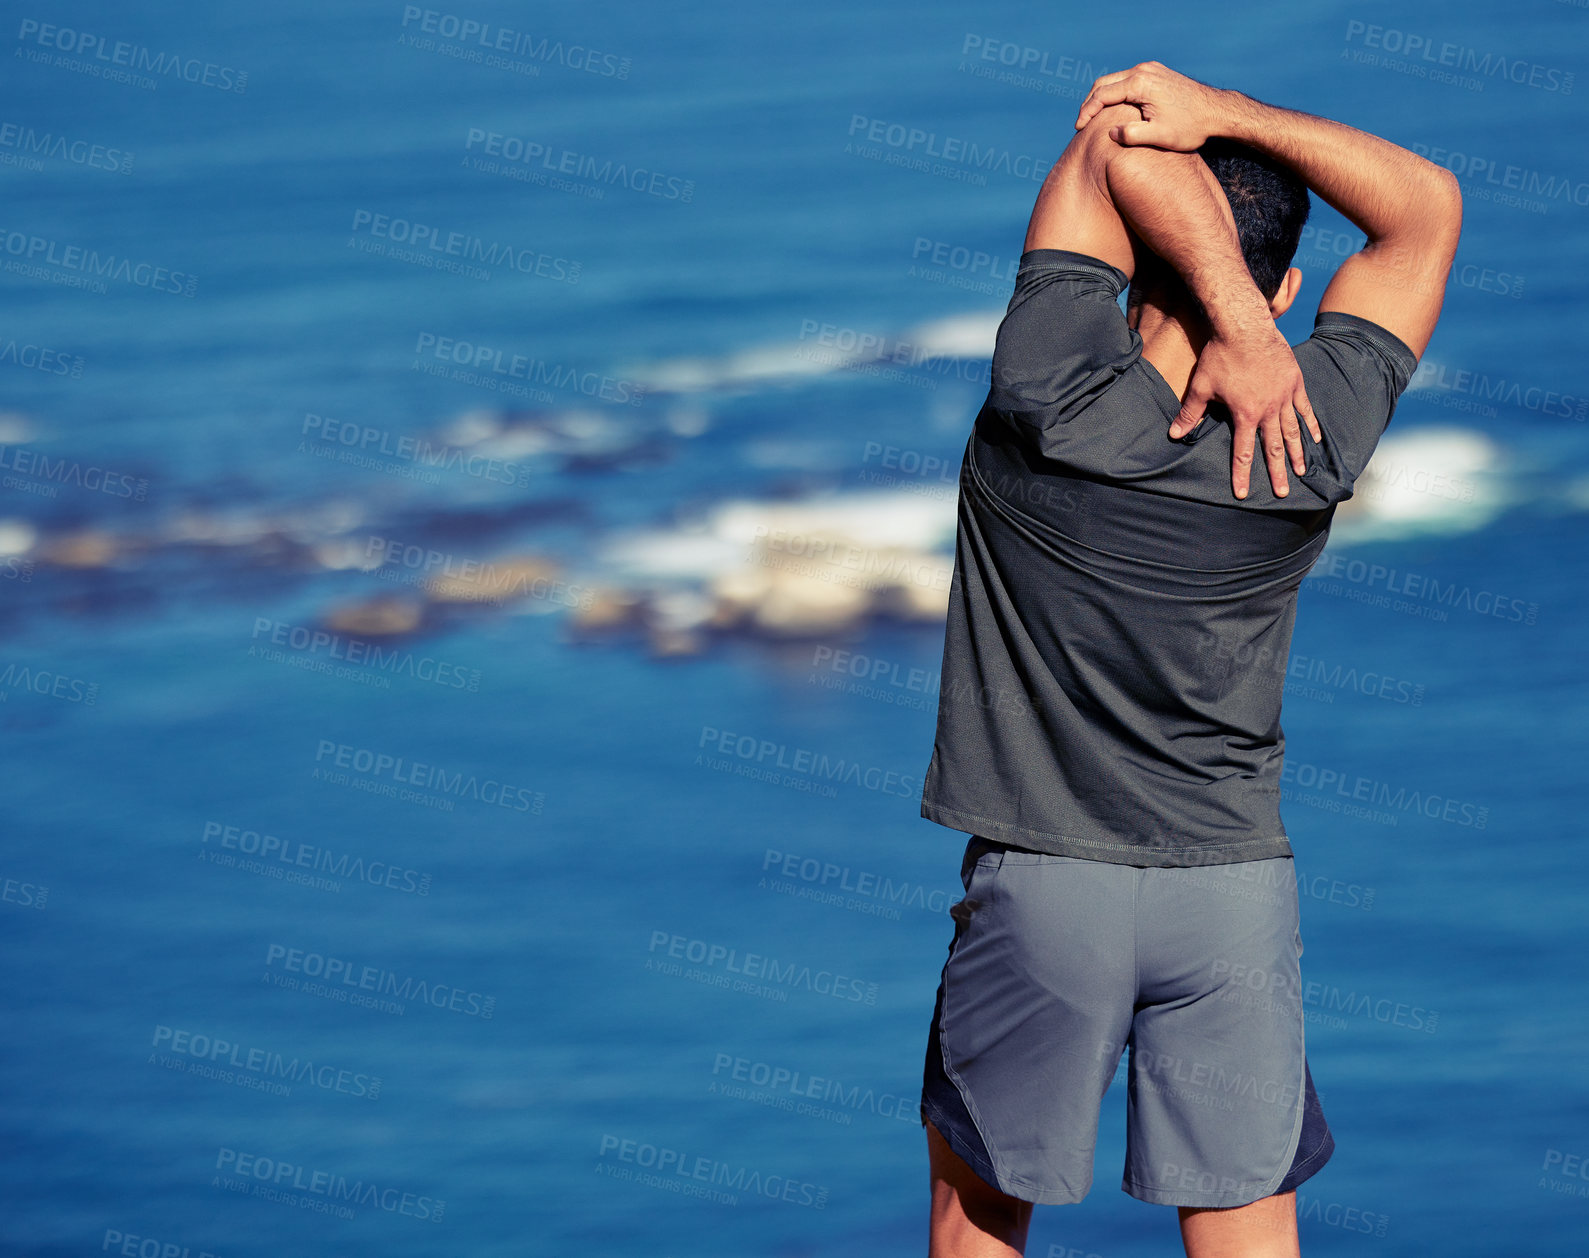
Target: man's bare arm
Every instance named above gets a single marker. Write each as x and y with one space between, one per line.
1409 209
1100 194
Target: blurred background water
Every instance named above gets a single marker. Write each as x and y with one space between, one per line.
456 775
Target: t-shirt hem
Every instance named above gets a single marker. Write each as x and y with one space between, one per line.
1186 857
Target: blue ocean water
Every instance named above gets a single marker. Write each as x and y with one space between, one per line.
470 949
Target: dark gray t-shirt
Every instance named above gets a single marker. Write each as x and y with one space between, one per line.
1119 622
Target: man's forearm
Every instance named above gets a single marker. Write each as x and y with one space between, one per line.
1175 206
1391 194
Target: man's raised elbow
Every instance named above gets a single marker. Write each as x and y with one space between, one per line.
1447 192
1429 218
1445 207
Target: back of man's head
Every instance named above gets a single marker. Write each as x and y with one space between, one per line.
1270 205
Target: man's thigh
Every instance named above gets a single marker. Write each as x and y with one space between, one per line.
1218 1072
1033 1011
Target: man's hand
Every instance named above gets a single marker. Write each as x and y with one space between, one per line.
1255 374
1177 112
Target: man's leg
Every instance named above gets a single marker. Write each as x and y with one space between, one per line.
1220 1005
1266 1228
971 1218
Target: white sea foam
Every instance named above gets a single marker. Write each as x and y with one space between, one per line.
827 350
765 364
17 537
958 336
246 525
812 565
572 432
1426 480
874 521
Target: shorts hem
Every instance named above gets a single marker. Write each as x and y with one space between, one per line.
1187 857
1197 1200
1018 1188
1271 1187
1310 1166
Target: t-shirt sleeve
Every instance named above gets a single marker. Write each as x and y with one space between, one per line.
1062 341
1354 370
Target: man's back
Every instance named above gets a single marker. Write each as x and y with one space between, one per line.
1119 624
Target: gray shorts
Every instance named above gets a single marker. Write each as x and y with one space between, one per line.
1059 964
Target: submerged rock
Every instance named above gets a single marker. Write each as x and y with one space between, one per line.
380 617
496 581
86 549
794 569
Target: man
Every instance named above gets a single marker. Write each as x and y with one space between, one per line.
1128 881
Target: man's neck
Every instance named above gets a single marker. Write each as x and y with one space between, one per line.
1171 342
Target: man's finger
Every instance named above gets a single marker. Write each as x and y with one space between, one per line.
1114 76
1274 453
1243 433
1193 407
1133 133
1111 89
1101 99
1292 431
1105 92
1305 409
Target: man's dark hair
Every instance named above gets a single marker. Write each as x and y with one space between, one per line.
1270 205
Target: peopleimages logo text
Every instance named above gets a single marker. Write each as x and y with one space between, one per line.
331 970
427 776
913 140
466 245
1459 57
515 43
96 48
1366 790
212 1050
764 753
42 251
755 965
1413 585
279 1174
